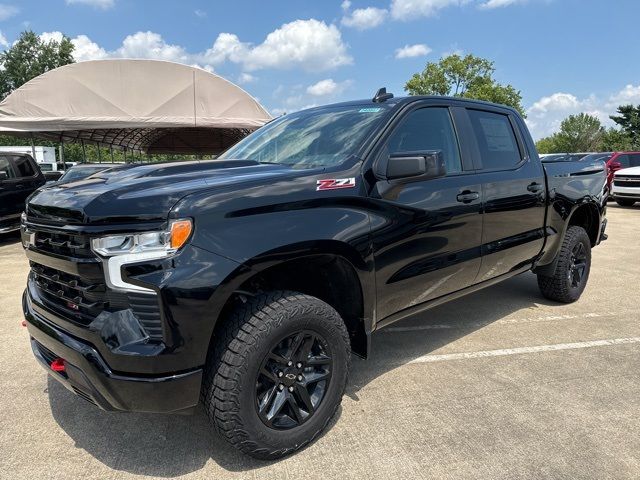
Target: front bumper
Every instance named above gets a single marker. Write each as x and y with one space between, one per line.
88 375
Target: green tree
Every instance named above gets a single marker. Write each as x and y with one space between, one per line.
629 120
580 133
615 140
548 144
468 76
30 57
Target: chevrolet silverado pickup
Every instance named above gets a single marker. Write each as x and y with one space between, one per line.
247 282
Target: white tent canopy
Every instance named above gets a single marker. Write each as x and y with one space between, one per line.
147 105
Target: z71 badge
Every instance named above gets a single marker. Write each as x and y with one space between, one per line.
335 183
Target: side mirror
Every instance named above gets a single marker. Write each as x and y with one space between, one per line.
3 176
416 164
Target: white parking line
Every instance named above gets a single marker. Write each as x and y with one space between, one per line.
504 321
521 350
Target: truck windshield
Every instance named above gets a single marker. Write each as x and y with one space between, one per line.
308 139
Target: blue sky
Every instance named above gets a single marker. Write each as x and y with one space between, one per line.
566 56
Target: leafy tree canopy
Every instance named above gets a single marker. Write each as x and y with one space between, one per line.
468 76
30 57
628 119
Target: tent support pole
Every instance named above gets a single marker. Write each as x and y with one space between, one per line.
111 149
99 154
33 148
84 152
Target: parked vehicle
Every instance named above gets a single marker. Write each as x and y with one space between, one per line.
85 170
626 186
19 178
563 157
619 160
248 285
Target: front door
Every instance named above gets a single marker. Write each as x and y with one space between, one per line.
427 233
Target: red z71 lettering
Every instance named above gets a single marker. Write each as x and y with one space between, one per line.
335 183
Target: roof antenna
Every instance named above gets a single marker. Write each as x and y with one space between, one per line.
382 95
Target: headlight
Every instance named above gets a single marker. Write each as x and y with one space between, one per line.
162 242
119 250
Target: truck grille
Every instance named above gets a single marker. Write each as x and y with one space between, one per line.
62 243
626 181
81 299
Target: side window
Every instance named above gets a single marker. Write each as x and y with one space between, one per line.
5 167
428 129
634 160
624 161
496 140
23 167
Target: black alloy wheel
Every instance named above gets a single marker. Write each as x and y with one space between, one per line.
578 265
293 380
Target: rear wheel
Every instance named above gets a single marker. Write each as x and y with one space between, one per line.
625 202
277 373
572 270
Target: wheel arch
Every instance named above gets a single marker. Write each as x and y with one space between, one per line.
333 271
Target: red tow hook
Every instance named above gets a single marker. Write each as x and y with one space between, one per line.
23 323
58 365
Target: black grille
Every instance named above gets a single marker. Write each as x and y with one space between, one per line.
73 296
627 181
145 308
62 243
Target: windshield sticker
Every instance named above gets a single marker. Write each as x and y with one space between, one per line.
369 110
335 183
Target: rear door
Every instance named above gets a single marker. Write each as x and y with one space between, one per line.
427 237
23 178
514 193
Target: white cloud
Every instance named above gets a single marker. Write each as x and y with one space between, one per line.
309 45
365 18
545 115
345 5
410 9
102 4
409 51
246 78
8 11
3 40
328 87
491 4
200 13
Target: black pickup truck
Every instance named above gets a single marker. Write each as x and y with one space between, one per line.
19 178
247 282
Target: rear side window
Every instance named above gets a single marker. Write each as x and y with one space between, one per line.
428 129
5 167
624 160
23 167
634 160
496 140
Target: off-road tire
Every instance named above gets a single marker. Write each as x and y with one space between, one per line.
242 343
558 287
625 202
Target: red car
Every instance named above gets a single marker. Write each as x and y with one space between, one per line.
615 161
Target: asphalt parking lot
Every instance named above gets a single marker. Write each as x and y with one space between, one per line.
499 384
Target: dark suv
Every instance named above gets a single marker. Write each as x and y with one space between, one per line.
19 178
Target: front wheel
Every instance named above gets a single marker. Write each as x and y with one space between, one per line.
625 202
277 373
572 270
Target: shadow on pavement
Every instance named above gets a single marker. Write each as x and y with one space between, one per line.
173 445
9 238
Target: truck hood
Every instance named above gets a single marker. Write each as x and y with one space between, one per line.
628 171
142 194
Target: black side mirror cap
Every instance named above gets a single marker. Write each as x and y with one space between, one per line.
3 176
423 165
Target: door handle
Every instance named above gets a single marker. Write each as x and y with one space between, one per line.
535 187
467 196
